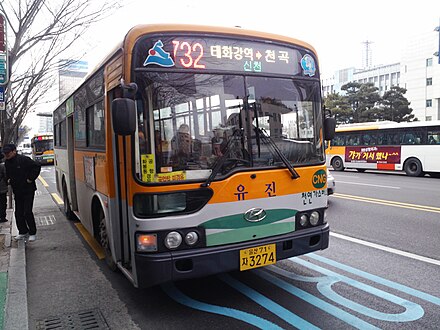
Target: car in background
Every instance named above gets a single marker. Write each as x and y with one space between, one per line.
331 185
25 149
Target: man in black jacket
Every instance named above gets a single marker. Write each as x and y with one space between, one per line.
21 172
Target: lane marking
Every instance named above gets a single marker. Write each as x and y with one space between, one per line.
99 251
388 203
268 304
315 301
183 299
377 279
368 184
324 284
387 249
43 181
57 199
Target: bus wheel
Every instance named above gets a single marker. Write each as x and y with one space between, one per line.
66 207
104 241
413 167
337 164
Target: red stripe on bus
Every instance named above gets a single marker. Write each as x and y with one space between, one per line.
386 166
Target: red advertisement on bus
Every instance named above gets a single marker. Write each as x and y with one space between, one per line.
381 155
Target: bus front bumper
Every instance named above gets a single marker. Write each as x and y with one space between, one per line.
153 269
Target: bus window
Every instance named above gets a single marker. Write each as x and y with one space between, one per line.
433 137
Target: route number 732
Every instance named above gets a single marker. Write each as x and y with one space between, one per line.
192 54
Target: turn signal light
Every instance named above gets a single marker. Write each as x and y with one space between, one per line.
146 242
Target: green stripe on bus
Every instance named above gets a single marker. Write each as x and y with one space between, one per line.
247 234
237 220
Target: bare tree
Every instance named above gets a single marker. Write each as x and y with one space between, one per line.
41 33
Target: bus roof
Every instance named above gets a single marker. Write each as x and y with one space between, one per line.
384 125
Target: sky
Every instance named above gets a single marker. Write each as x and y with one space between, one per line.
336 29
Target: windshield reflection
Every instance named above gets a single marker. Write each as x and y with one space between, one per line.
203 126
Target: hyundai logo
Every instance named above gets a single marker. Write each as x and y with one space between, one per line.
255 215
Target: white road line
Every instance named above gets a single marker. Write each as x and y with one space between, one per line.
367 184
387 249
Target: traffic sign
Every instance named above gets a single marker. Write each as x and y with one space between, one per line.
4 66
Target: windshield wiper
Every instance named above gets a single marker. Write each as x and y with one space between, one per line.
267 140
221 160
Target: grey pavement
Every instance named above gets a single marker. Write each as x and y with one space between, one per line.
13 264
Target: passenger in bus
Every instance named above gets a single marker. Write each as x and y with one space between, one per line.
3 190
142 143
432 140
181 146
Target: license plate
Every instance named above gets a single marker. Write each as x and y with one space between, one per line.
258 256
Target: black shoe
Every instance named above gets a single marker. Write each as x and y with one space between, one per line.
4 220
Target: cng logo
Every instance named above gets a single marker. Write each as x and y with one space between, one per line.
319 179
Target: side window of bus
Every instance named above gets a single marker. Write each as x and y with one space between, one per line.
80 100
95 126
353 140
338 140
382 139
62 134
412 138
433 137
369 139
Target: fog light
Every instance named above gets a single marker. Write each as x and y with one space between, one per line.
173 240
146 242
191 238
303 220
314 218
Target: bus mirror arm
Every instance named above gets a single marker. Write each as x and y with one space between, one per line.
129 91
124 116
329 125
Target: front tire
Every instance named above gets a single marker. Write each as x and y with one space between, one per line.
66 207
337 164
413 167
104 240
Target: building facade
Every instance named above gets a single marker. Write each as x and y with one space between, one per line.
70 75
418 72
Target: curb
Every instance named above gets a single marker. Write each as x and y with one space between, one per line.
16 307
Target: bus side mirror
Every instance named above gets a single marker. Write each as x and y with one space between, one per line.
329 128
124 116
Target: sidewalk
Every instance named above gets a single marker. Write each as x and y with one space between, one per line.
13 289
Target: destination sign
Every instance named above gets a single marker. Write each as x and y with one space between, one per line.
222 54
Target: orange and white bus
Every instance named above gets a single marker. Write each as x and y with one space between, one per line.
193 150
413 147
42 148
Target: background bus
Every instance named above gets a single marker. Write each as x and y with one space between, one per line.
218 159
42 148
413 147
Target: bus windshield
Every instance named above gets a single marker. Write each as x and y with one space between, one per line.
186 122
41 146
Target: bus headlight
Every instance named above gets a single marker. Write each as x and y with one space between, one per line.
191 238
314 218
303 220
173 240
